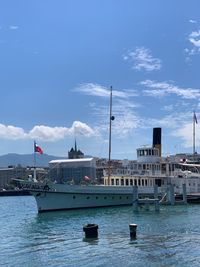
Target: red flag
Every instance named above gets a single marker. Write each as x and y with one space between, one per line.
37 148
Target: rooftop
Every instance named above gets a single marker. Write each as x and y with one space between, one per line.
71 160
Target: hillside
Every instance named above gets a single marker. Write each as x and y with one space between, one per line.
26 160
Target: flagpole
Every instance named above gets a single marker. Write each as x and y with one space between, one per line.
34 166
193 135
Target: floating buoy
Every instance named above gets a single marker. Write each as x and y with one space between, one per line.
91 230
133 230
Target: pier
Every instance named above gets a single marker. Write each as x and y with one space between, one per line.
145 202
168 198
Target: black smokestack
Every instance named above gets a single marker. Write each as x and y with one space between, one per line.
157 139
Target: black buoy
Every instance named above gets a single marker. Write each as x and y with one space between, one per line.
133 229
91 230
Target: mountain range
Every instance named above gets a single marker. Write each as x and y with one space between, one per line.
24 160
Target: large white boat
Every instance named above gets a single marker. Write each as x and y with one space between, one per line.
150 170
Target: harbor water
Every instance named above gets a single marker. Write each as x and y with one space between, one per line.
170 237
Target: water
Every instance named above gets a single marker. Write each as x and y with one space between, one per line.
168 238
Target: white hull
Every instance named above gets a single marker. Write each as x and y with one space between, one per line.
76 197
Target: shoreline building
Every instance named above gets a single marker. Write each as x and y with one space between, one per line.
76 169
72 170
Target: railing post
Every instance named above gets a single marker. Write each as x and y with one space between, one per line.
135 198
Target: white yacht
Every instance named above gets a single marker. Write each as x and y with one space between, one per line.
149 170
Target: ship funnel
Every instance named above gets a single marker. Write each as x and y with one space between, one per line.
157 139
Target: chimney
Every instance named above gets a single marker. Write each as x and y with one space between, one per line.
157 139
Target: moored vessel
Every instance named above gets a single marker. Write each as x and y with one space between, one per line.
150 170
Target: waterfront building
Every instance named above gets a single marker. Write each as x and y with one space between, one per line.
72 170
19 172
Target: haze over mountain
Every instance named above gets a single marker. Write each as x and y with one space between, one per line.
26 160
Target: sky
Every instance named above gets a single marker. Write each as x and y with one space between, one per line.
58 60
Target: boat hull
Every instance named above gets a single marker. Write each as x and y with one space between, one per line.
82 197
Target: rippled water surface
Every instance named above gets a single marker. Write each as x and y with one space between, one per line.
170 237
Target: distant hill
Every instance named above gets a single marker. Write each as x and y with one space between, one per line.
26 160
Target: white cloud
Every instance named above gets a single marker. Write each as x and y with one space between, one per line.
80 128
192 21
41 132
11 132
168 108
186 135
142 59
101 91
163 88
126 118
13 27
46 133
93 89
194 40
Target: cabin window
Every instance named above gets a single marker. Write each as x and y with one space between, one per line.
88 197
158 182
74 197
97 197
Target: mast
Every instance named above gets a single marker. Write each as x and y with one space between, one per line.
111 118
194 122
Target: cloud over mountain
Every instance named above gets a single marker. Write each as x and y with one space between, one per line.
45 133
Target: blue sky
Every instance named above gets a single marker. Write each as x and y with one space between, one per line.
58 60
